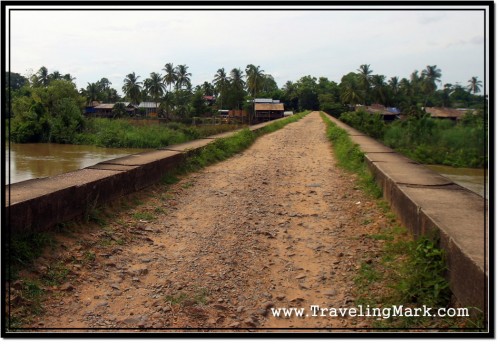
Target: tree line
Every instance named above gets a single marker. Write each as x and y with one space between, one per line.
48 106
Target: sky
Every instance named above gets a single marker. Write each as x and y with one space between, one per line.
285 43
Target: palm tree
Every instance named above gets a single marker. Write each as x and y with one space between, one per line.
92 92
42 76
182 77
170 77
68 77
349 91
132 88
474 85
155 86
365 77
394 84
429 77
208 89
237 87
55 75
221 82
406 87
379 88
255 78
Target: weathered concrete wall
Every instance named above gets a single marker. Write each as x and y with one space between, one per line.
39 204
428 203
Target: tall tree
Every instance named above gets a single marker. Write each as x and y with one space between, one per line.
92 92
55 75
474 85
379 89
221 82
170 77
155 86
237 89
182 77
366 80
350 89
255 77
132 87
430 76
41 78
208 89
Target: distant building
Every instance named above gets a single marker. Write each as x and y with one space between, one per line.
446 113
269 111
388 114
149 108
106 109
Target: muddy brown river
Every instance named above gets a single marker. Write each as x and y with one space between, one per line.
39 160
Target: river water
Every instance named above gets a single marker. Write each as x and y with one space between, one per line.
470 178
38 160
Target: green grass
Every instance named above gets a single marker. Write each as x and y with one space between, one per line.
199 297
351 158
122 133
409 272
146 216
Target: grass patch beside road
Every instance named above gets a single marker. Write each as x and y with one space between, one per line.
408 272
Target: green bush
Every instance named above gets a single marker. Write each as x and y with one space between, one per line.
428 140
371 124
423 281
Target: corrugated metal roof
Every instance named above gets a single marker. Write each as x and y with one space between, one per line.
104 106
263 100
149 105
111 105
270 107
445 112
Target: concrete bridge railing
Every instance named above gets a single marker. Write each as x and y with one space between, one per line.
428 203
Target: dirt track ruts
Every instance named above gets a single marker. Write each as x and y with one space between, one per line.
278 225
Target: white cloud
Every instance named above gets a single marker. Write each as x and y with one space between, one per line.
95 44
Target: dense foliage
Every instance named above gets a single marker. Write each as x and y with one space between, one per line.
428 140
47 107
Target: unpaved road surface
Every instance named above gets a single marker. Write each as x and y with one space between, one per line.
276 226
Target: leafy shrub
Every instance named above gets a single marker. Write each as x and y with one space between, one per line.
423 281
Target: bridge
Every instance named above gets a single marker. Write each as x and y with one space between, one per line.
425 202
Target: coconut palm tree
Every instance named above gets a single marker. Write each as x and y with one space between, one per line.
42 77
170 77
132 87
92 92
237 88
255 78
430 76
366 79
208 89
155 86
55 75
474 85
350 89
379 88
182 77
221 82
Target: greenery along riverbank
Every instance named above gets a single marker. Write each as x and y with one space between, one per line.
428 140
125 134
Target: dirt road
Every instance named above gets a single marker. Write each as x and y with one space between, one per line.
276 226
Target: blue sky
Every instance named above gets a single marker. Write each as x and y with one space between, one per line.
287 44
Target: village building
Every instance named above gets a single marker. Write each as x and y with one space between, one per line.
388 114
446 113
